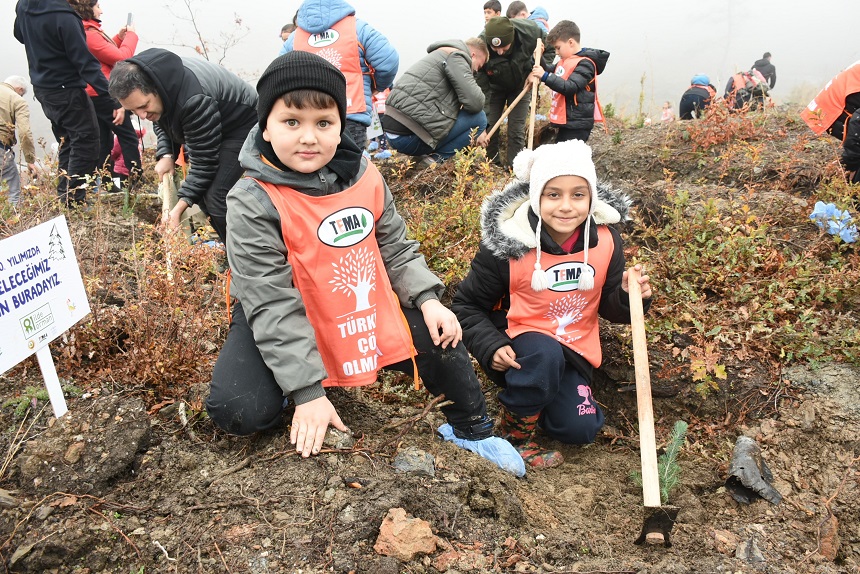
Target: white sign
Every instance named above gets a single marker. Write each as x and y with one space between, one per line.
41 296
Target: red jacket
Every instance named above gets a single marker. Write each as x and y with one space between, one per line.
106 50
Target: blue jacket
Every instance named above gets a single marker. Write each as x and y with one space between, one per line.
540 17
56 46
317 16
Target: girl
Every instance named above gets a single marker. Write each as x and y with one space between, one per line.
548 264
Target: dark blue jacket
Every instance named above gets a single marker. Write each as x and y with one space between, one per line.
56 45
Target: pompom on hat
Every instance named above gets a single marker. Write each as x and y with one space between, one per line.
299 70
499 31
537 167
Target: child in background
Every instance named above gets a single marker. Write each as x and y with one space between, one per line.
573 81
668 114
547 266
492 9
328 288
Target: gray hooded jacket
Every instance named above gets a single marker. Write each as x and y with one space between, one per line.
429 96
262 277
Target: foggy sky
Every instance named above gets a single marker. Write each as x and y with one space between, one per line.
667 41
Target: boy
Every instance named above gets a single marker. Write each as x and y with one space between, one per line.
548 264
492 9
573 82
329 289
539 15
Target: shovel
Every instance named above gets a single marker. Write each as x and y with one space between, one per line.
659 520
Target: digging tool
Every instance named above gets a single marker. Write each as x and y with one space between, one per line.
507 111
535 85
167 192
659 520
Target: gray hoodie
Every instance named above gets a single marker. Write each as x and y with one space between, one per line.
262 278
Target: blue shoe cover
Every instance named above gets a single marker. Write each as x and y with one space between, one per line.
373 146
385 154
495 449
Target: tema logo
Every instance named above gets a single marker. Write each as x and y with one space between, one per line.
346 227
564 276
323 39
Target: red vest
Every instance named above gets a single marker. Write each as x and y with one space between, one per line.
561 311
829 104
337 268
339 45
711 91
558 108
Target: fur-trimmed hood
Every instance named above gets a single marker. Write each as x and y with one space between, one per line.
507 231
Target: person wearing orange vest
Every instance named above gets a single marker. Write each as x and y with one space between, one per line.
330 29
836 110
698 96
329 290
547 266
573 82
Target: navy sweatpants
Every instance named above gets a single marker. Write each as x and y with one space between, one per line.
549 385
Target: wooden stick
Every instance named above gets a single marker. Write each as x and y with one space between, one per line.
535 85
647 440
509 109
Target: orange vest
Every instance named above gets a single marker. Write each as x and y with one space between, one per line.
337 268
561 311
558 108
829 104
339 45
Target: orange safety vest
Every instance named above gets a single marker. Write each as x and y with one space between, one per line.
558 108
339 45
339 271
561 311
829 104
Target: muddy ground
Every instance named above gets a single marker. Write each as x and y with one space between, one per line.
126 483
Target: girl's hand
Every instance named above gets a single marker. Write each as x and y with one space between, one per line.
504 358
644 282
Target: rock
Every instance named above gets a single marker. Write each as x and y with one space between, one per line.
749 551
87 449
404 537
725 542
413 460
338 439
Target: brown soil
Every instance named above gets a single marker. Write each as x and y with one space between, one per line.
121 486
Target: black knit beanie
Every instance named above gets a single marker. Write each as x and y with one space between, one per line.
298 70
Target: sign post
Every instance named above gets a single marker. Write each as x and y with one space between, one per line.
41 296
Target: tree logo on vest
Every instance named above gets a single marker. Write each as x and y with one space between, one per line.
564 276
559 71
323 39
566 311
346 227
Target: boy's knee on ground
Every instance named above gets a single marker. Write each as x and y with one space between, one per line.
241 421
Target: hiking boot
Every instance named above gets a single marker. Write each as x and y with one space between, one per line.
519 431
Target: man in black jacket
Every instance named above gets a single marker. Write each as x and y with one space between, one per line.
196 104
766 69
61 66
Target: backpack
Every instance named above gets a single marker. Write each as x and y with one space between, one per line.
747 86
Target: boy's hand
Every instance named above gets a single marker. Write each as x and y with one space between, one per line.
644 282
440 318
504 358
537 74
310 424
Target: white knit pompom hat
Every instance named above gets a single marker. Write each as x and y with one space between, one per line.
537 167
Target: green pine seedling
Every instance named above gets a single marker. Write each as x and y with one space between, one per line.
668 469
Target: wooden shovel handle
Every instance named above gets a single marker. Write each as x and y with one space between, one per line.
647 441
535 84
509 109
